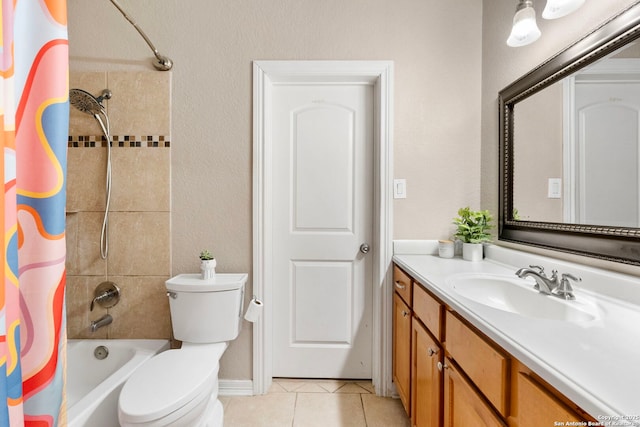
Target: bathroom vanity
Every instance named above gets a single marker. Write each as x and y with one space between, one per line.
473 344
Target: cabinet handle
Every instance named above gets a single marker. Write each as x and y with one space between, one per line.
442 366
432 351
399 285
405 313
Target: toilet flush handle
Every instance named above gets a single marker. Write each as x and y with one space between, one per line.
172 294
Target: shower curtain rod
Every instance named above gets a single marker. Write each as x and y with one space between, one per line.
162 63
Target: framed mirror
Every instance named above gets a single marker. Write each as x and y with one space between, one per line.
570 148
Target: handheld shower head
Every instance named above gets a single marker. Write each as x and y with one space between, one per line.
88 103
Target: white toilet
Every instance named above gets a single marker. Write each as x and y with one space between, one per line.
180 387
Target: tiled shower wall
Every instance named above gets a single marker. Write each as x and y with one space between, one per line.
139 221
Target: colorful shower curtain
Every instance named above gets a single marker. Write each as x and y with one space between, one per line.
34 112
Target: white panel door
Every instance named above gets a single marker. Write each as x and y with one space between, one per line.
322 213
607 181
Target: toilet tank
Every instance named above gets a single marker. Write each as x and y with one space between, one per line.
206 311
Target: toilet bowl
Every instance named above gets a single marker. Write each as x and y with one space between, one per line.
180 387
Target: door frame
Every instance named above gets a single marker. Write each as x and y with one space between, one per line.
608 71
379 74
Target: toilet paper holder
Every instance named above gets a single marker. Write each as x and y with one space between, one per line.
254 310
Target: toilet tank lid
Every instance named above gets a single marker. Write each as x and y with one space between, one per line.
195 283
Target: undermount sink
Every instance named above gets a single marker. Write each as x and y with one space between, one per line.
517 296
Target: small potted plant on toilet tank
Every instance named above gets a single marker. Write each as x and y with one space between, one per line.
207 264
472 230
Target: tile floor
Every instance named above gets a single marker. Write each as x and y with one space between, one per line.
310 403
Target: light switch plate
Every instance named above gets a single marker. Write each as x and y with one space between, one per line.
399 188
554 189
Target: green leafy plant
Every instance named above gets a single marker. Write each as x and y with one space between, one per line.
473 226
205 255
516 214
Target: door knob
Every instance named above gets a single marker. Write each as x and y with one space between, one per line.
364 248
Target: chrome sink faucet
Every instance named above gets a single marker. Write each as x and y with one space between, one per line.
544 284
560 288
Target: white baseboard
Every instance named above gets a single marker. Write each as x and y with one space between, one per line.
235 387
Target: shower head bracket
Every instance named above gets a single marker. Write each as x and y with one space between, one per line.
106 94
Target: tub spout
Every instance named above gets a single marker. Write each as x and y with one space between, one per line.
103 321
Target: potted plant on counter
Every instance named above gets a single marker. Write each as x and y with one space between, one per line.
472 230
207 264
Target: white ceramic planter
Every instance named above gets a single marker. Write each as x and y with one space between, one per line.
472 251
208 268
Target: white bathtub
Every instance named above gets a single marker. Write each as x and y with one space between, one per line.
93 385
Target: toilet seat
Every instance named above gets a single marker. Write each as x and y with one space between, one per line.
171 385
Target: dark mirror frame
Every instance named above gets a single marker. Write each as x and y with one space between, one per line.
610 243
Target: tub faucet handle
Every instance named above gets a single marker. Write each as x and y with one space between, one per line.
106 295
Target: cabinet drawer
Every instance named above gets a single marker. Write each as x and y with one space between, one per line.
402 284
428 310
487 367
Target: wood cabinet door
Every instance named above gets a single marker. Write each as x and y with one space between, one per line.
402 350
537 406
463 407
426 378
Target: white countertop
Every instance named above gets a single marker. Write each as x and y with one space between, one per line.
596 363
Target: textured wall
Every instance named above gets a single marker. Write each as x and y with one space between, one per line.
502 64
450 62
436 48
539 155
139 220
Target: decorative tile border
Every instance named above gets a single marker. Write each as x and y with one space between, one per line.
124 141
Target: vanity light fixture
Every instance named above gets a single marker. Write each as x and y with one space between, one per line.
559 8
525 29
